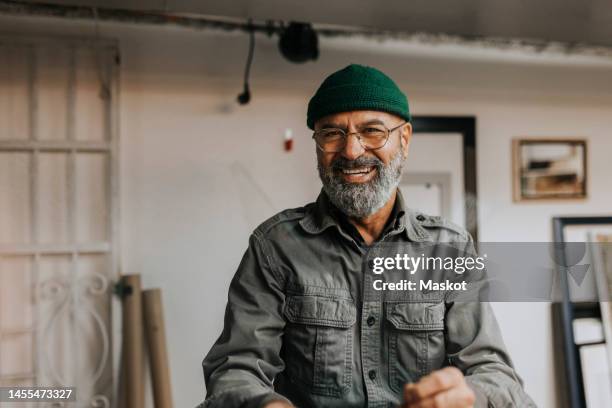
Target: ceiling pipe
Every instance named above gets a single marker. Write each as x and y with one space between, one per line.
127 16
528 47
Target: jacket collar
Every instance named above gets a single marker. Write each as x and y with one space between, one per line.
322 214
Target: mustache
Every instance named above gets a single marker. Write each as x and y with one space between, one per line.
342 163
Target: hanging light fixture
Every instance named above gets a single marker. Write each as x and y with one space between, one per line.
245 96
299 42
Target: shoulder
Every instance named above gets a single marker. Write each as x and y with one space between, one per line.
438 228
282 221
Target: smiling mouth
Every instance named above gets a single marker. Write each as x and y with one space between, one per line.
357 170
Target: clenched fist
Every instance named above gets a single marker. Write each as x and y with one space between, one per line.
445 388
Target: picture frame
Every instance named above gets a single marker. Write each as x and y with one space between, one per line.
549 169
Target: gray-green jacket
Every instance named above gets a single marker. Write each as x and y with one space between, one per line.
304 323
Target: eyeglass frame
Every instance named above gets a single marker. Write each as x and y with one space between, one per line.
346 135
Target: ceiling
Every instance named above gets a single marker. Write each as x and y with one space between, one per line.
587 22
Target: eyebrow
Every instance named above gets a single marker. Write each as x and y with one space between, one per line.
373 122
337 126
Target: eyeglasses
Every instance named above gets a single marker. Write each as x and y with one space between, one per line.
371 137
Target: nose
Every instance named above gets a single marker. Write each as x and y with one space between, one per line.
353 148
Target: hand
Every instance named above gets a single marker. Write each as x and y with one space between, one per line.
445 388
277 404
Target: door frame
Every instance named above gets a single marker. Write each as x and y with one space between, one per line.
466 127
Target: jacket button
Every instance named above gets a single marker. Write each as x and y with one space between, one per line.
371 320
420 217
372 375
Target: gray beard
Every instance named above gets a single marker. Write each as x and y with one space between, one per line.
359 200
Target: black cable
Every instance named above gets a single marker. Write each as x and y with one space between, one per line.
245 96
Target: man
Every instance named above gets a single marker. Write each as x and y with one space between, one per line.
304 325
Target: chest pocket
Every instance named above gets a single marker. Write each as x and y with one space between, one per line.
415 340
318 343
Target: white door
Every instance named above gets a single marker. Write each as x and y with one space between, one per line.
58 187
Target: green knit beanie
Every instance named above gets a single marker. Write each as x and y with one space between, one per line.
357 87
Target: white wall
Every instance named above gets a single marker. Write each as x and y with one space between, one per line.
199 172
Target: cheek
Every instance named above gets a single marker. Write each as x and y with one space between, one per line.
385 156
392 148
324 160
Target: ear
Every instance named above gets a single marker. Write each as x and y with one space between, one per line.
405 138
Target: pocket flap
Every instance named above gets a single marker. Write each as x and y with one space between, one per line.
320 311
416 316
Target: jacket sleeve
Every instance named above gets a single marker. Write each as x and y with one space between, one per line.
475 346
240 367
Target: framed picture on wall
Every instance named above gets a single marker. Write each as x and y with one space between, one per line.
545 169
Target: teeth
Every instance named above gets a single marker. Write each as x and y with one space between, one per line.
362 170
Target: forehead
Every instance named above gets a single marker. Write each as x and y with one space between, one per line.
356 117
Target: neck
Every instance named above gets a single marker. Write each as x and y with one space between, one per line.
371 227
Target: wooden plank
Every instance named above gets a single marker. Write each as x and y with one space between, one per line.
132 352
158 353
